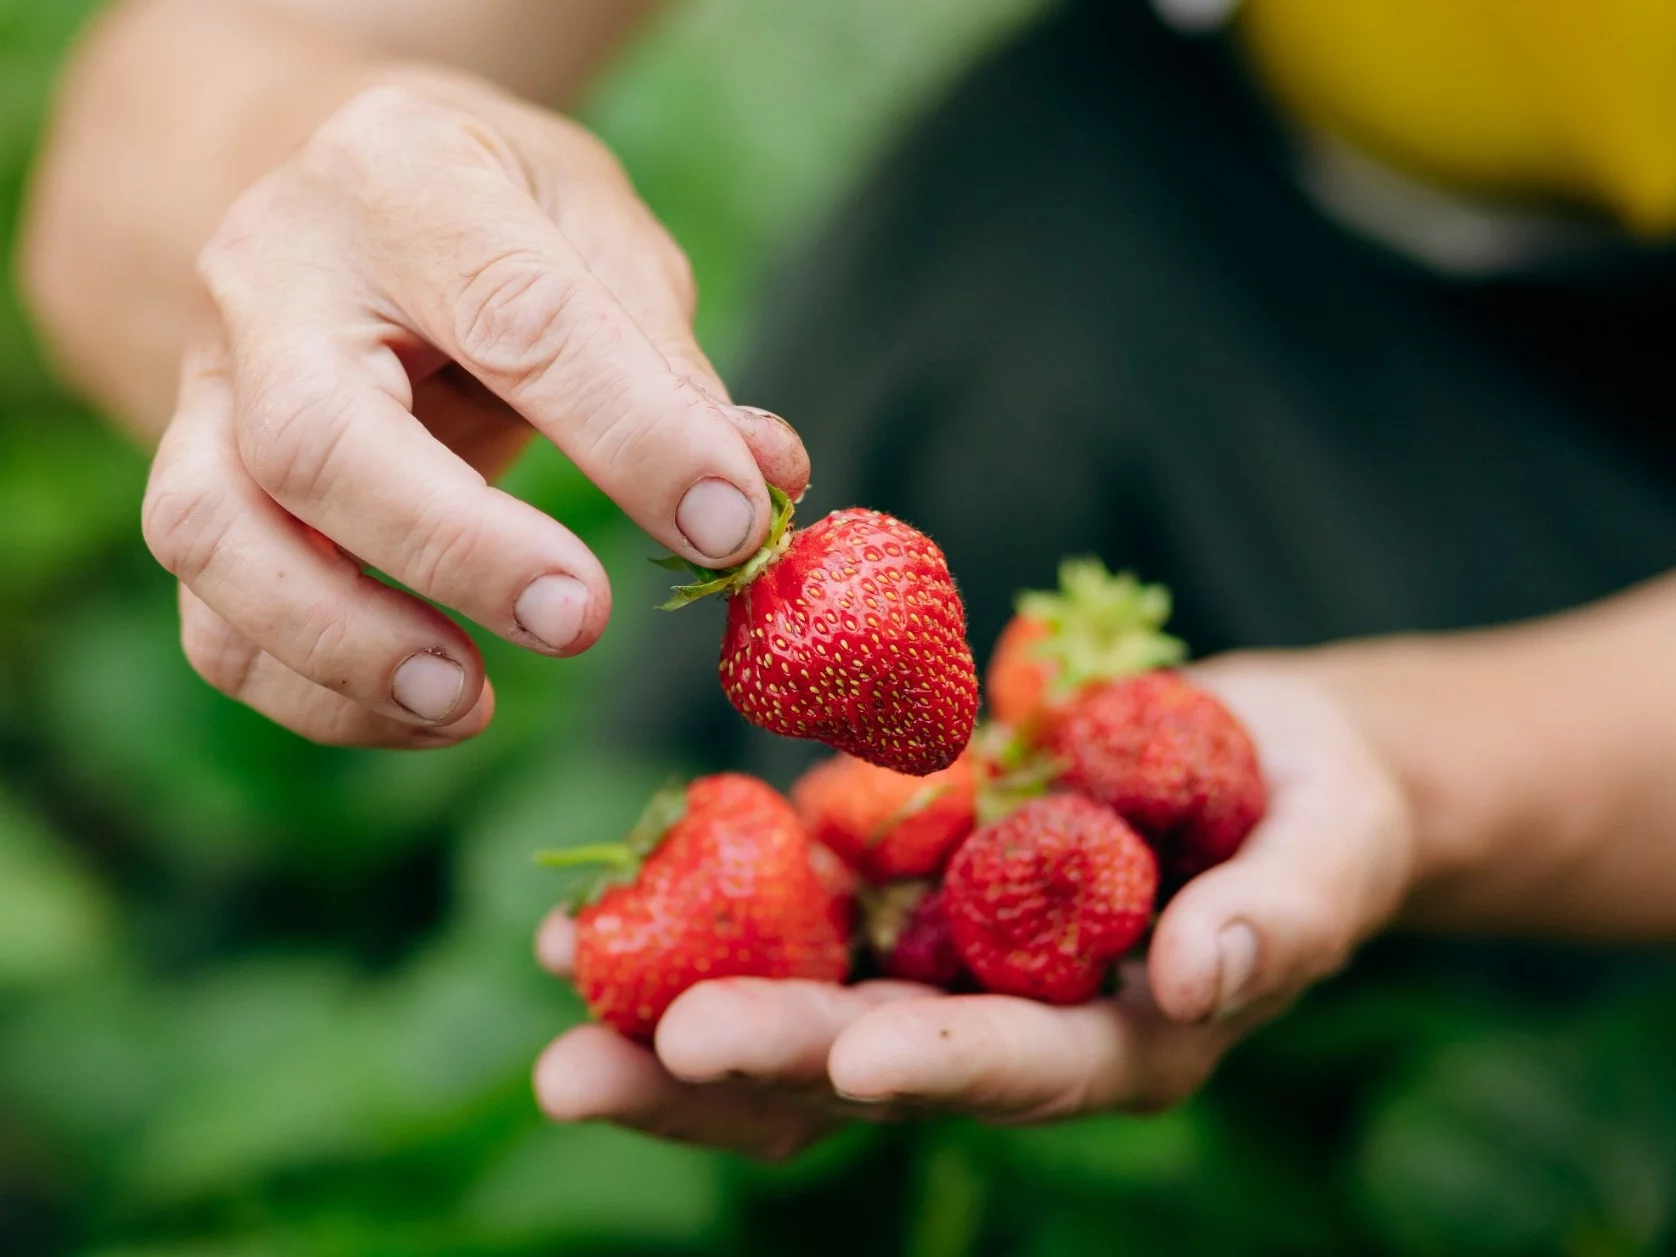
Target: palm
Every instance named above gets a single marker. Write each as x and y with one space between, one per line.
768 1066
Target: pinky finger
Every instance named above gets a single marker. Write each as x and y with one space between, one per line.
233 664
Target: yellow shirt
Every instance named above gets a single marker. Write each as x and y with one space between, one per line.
1569 100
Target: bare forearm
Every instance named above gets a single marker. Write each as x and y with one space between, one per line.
170 108
1541 764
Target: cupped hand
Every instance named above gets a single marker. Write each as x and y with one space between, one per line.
440 273
767 1067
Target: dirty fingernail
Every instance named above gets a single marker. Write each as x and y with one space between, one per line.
552 608
715 518
428 685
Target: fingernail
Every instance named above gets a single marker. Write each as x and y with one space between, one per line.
715 518
757 413
855 1099
428 685
1236 948
551 609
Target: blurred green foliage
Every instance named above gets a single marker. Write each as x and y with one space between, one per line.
260 999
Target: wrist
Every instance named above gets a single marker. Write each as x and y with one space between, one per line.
1449 736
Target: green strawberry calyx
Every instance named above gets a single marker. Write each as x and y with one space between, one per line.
1015 771
1100 626
727 579
1001 795
618 863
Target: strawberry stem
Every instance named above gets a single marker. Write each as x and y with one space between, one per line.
613 854
727 579
1101 626
619 862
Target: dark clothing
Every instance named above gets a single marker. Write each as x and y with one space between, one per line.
1083 307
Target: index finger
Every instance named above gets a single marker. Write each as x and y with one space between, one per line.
481 273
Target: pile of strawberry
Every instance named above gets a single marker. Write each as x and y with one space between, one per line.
1024 858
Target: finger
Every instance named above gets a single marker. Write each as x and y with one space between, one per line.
1014 1060
482 273
1322 871
769 1030
298 602
555 943
324 427
635 257
236 666
593 1074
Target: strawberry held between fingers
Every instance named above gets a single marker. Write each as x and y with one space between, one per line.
716 881
849 632
1170 759
885 824
1042 902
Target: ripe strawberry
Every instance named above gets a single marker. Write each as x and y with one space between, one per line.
885 824
849 632
719 884
908 930
1170 759
838 882
1042 902
1095 627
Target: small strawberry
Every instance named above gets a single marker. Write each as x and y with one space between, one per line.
1170 759
908 930
885 824
716 881
1096 627
839 882
849 632
1042 902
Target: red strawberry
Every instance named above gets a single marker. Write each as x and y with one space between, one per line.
1042 902
849 632
721 886
1015 685
1096 627
908 929
838 880
885 824
1170 759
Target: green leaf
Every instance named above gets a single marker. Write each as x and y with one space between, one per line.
600 1183
55 920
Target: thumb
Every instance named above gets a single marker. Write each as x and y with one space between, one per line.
1324 870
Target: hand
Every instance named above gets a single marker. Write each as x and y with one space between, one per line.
766 1067
438 274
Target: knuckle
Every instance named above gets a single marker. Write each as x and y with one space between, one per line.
678 269
513 316
182 527
321 647
291 425
588 157
224 262
368 127
223 658
445 540
614 433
